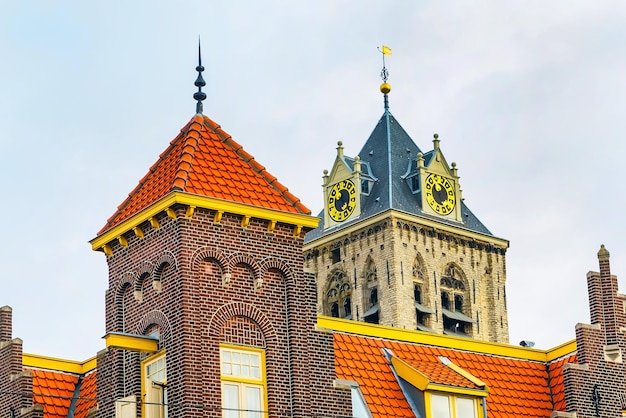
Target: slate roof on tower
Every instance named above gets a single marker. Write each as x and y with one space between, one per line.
204 160
387 154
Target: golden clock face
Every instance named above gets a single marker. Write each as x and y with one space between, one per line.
341 200
440 194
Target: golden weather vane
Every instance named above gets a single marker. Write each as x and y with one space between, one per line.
384 74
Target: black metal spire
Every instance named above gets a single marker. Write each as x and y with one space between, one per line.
199 95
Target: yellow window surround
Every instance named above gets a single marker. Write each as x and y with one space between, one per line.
233 360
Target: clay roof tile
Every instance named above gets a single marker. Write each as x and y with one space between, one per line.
204 148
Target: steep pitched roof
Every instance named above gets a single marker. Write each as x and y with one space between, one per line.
517 386
54 391
387 154
87 396
204 160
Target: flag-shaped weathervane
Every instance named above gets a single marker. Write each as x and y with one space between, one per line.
384 50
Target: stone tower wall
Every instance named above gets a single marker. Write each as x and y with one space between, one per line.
394 245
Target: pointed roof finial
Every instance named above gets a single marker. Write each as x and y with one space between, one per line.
199 95
385 88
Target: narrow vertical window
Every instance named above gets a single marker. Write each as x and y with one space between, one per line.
242 373
154 386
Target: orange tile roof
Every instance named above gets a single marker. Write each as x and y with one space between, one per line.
54 391
555 370
204 160
87 396
517 387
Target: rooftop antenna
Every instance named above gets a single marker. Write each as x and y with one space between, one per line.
385 88
199 95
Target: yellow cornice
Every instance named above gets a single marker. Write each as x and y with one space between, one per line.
409 218
445 341
165 204
142 343
57 364
561 350
459 391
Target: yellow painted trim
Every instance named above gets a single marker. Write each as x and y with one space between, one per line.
475 393
189 211
107 250
144 362
131 342
173 198
410 374
154 222
217 219
245 221
422 382
477 404
271 225
467 375
562 350
262 382
170 212
499 242
57 364
138 232
123 241
297 230
446 341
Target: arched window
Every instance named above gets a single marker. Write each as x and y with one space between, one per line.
370 293
456 314
338 296
420 294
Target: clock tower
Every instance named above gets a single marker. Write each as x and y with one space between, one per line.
398 246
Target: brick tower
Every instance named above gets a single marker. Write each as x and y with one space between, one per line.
595 386
208 310
397 245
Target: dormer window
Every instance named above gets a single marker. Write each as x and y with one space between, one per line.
365 187
450 406
414 183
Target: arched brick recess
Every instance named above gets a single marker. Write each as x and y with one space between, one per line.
155 318
127 278
225 312
164 260
239 258
144 270
283 268
124 286
139 281
204 253
241 330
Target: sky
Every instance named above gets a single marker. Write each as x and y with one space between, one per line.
527 97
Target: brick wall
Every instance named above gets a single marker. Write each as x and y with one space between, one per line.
16 385
202 284
596 386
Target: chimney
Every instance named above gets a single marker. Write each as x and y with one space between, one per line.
6 323
604 304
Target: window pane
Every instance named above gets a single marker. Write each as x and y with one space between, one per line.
230 401
440 406
253 401
465 408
